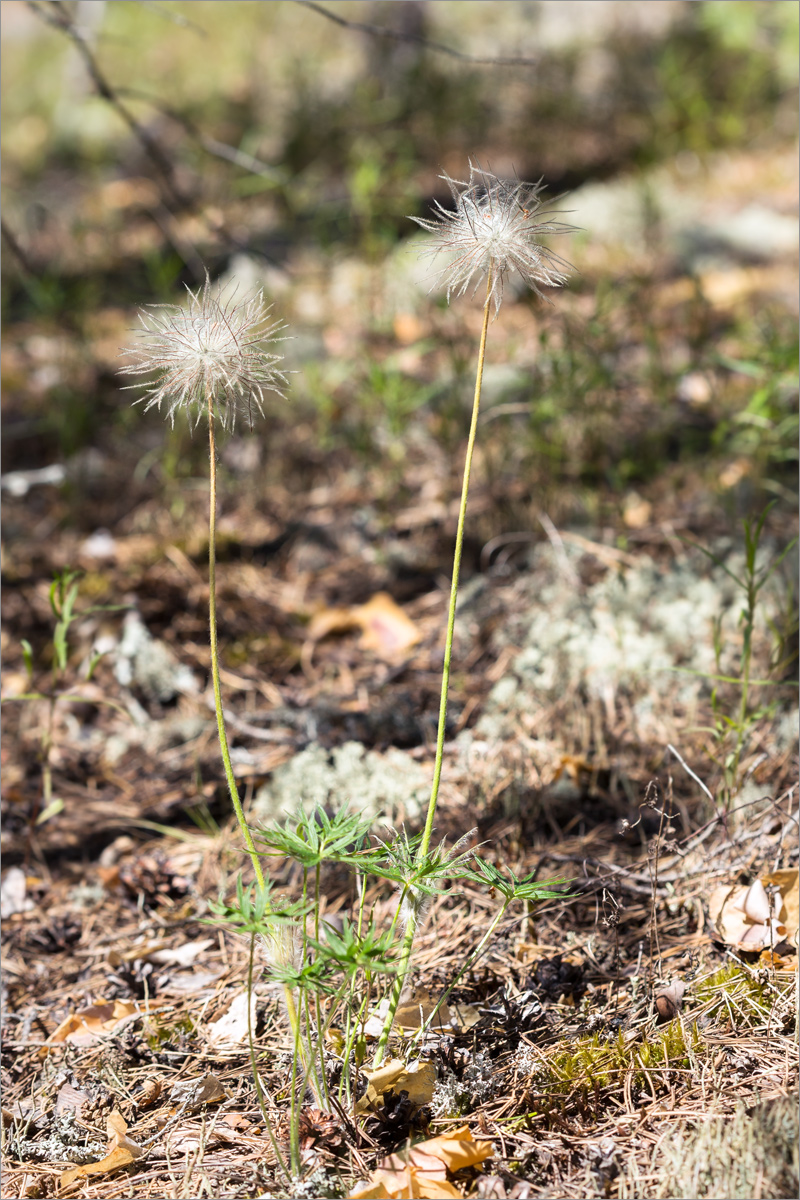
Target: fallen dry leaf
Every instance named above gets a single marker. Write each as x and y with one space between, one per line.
746 917
669 998
788 884
70 1101
181 956
385 628
191 1093
91 1025
149 1093
456 1149
416 1005
422 1171
418 1079
121 1153
231 1028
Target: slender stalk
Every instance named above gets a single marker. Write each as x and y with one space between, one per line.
451 614
212 625
424 846
291 1008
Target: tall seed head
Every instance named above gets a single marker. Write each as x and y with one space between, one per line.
494 230
212 346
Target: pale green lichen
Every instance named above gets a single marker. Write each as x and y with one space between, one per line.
388 785
754 1153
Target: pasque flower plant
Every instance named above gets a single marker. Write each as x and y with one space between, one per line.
494 231
212 358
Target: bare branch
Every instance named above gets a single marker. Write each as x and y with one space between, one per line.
239 158
398 36
58 16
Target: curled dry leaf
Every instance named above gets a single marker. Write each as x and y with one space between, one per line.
669 997
91 1025
747 918
121 1152
422 1171
191 1093
417 1079
385 628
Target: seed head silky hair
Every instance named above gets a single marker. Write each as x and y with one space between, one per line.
213 346
494 231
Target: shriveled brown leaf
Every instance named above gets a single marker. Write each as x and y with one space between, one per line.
91 1025
122 1151
191 1093
385 629
788 884
417 1079
422 1171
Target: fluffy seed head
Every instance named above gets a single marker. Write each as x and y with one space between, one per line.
494 230
212 346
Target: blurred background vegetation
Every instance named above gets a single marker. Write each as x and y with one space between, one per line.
275 143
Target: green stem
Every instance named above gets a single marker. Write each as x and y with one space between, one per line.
291 1008
424 845
212 624
451 614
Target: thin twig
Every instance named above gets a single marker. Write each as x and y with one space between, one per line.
247 162
397 35
689 771
15 248
58 16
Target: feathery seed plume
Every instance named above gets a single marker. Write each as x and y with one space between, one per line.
212 346
494 231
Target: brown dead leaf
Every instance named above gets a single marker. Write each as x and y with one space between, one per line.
669 998
775 962
70 1101
422 1171
746 918
121 1152
149 1093
416 1005
418 1079
91 1025
191 1093
788 884
114 1161
385 628
456 1149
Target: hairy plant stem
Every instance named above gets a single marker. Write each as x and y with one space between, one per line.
291 1008
424 845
